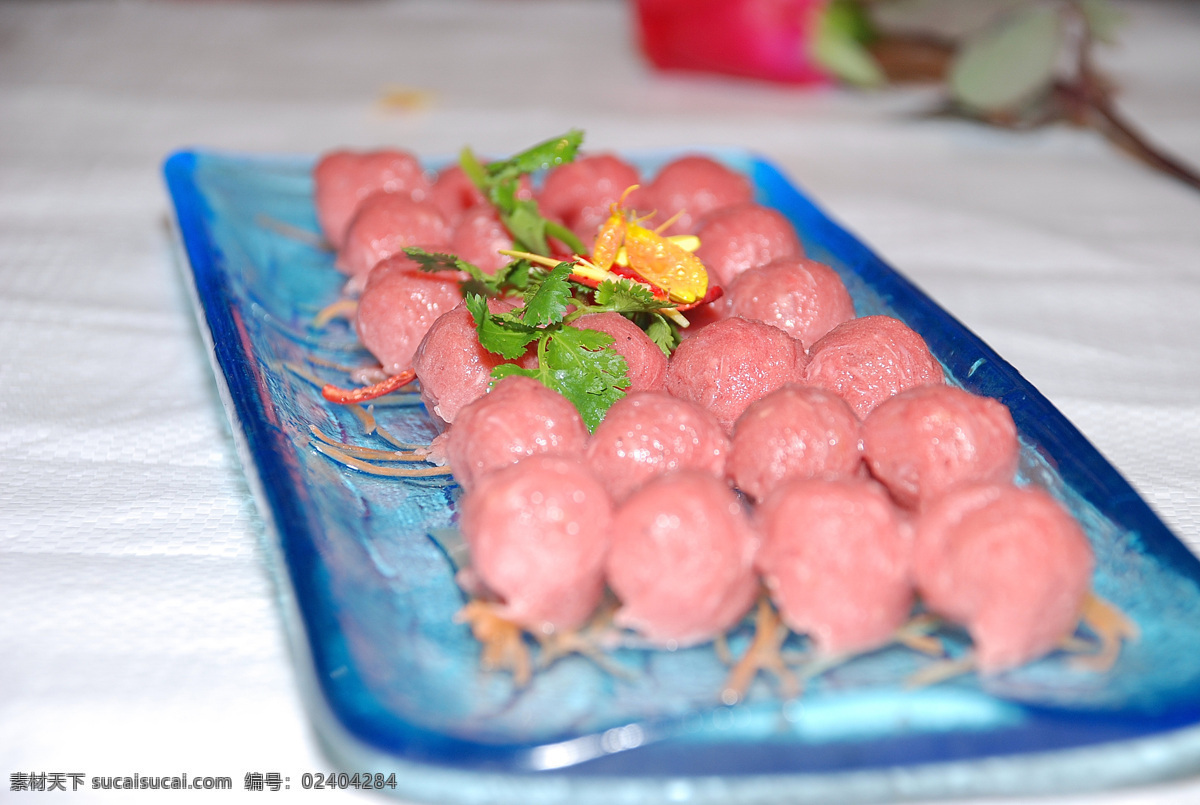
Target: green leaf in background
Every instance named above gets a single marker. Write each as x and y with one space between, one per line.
839 47
1010 63
949 20
1103 20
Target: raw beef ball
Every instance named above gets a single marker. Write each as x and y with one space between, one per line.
803 297
700 317
730 364
580 194
736 239
519 417
343 179
538 532
694 186
453 193
835 559
795 432
398 306
928 439
478 238
385 224
867 360
647 363
682 559
647 434
1008 563
454 369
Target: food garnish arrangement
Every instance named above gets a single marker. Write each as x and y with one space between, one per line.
665 422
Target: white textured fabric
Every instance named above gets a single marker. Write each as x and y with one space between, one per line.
138 627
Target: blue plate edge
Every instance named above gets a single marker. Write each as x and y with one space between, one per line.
1108 490
283 508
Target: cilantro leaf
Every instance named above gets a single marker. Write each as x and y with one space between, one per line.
508 369
473 170
515 275
627 296
500 183
557 151
439 261
546 302
526 225
581 365
662 332
501 333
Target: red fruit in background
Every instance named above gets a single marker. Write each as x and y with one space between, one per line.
766 39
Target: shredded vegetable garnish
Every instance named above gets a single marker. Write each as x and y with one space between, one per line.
340 456
369 452
341 309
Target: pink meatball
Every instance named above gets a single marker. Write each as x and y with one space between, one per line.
385 224
519 417
454 369
693 186
398 306
343 179
730 364
835 559
700 317
647 363
647 434
803 297
538 532
795 432
453 193
1010 564
682 559
579 194
929 439
869 359
478 238
736 239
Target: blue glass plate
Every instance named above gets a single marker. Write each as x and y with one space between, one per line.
395 684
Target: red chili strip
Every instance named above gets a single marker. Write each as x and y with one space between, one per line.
350 396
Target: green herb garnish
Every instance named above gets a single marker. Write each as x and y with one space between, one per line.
512 277
577 363
500 181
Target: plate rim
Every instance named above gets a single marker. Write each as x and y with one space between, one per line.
249 422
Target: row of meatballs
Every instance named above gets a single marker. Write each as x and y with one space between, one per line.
785 444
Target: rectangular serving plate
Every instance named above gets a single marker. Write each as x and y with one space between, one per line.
394 684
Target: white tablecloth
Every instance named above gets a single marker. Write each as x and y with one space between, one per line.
138 627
